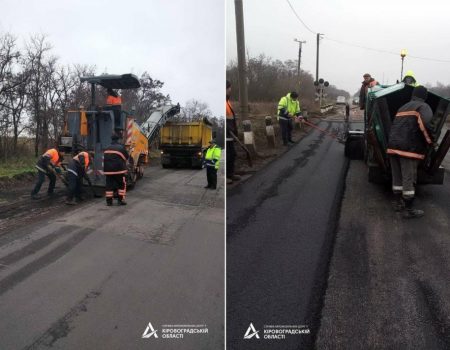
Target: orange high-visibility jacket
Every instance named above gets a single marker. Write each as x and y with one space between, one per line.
111 100
82 155
53 155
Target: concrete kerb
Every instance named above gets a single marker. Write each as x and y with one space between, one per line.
315 120
270 132
249 139
326 108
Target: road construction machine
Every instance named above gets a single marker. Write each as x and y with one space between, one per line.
91 130
370 144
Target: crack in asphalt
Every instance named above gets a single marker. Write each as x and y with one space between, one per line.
61 328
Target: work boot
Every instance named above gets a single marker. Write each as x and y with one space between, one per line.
70 202
207 186
109 202
411 213
398 203
35 196
122 202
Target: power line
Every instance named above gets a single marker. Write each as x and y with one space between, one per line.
361 46
298 17
386 51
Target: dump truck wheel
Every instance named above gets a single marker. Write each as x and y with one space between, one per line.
132 174
140 171
354 149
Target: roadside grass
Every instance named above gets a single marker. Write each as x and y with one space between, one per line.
18 165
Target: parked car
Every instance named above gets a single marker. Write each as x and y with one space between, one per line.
341 100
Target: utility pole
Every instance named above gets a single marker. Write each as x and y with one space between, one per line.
299 56
242 65
317 57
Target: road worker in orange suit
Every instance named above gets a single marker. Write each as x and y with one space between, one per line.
408 140
76 171
47 165
113 98
115 170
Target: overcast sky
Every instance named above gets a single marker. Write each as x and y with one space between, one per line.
421 27
178 42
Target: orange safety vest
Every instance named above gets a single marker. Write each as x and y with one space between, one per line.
86 158
229 110
111 100
53 155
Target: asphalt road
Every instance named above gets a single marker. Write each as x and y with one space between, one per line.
280 229
389 282
93 277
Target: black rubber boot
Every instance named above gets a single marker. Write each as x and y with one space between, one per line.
398 203
109 202
411 213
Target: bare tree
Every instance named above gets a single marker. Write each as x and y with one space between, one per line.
81 93
36 51
8 58
12 94
146 98
16 101
195 110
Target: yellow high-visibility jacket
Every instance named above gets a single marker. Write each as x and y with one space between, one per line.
289 105
212 156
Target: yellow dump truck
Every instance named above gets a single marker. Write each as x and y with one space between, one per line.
184 143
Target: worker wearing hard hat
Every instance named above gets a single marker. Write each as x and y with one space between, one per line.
367 83
47 165
212 160
115 169
410 79
76 171
288 109
408 139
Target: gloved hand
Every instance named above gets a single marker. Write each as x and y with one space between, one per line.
58 170
282 112
51 170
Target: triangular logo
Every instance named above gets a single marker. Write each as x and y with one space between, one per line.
251 332
150 332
